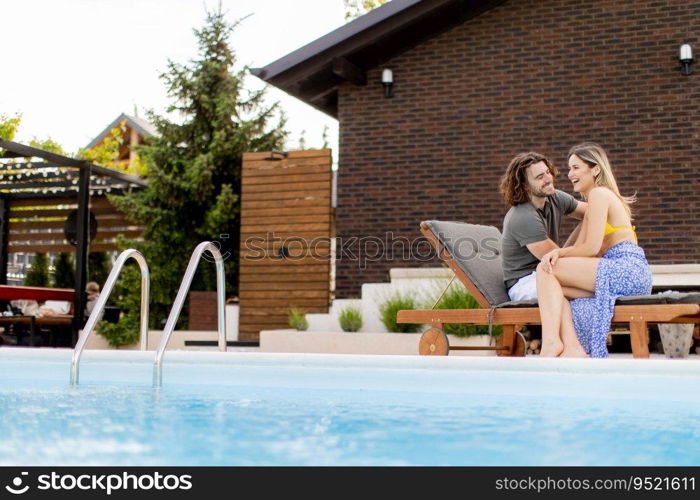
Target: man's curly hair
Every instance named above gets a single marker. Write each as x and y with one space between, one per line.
514 181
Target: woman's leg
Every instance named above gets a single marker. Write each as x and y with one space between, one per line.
550 299
577 272
575 293
572 346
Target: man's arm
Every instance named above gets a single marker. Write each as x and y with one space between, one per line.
540 248
571 240
579 211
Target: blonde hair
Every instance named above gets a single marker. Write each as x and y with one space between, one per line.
92 287
593 154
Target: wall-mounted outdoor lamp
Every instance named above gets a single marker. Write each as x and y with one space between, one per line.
388 82
686 58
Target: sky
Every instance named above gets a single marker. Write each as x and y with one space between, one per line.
70 67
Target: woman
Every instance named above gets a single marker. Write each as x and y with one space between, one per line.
580 328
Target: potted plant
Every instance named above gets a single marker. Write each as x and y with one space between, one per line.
350 319
297 319
390 308
457 297
676 339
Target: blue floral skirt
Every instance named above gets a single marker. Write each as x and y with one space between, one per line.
623 270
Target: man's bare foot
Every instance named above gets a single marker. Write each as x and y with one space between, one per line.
574 352
551 349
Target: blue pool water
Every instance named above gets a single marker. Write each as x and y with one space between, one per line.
259 409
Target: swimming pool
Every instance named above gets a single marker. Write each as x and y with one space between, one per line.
277 409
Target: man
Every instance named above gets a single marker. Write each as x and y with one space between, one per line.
531 226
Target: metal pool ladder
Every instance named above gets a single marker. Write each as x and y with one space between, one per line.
100 305
180 300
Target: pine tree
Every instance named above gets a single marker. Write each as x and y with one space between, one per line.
98 267
194 172
38 275
64 271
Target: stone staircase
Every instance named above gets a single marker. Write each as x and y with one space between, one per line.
425 284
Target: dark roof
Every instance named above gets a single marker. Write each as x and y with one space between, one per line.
144 128
28 172
314 72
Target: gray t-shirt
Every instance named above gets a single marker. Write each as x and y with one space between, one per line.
524 224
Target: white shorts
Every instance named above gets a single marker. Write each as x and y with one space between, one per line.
525 288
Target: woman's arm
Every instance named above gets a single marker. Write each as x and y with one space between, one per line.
574 236
591 238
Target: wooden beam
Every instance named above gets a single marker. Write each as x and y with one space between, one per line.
639 337
65 200
4 238
30 152
349 71
81 251
60 248
657 313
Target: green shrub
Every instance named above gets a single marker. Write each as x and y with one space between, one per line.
99 267
389 309
125 332
350 319
457 297
297 319
64 271
38 275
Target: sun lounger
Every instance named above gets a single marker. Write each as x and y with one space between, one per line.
473 253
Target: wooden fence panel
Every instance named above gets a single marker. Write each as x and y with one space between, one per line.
284 201
37 225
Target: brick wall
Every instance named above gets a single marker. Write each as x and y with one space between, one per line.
202 311
527 75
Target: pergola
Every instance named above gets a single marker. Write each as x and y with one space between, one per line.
42 187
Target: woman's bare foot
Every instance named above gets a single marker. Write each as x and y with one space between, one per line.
574 352
551 349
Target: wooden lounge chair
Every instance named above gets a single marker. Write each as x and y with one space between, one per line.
473 253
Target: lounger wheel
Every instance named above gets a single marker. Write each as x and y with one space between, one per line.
434 342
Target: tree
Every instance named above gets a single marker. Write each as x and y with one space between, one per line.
357 8
194 174
64 271
8 129
107 153
48 144
324 137
9 126
99 267
38 275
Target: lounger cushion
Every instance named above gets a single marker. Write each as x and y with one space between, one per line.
476 250
661 298
518 303
632 300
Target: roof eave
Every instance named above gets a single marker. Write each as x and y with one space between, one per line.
310 73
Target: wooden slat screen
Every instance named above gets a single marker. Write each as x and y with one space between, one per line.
284 203
37 225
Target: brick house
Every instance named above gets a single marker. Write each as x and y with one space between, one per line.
476 82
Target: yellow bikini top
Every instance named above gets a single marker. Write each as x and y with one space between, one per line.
611 229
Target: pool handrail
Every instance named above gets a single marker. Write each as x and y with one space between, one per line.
130 253
180 300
